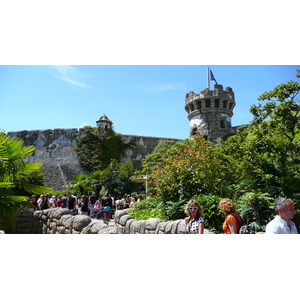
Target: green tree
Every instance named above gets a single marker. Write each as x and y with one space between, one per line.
96 151
186 169
118 178
266 152
189 168
14 174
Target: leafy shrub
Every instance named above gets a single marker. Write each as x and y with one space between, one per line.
212 215
174 210
256 209
147 208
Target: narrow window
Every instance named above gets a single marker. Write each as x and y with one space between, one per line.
222 124
207 103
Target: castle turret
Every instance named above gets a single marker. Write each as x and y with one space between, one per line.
210 112
104 125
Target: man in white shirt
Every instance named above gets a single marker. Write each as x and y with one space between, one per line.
282 224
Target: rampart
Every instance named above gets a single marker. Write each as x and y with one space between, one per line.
54 149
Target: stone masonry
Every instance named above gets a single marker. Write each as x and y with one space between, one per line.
54 149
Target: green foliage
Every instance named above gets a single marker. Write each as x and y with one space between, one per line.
117 178
211 213
15 175
267 151
174 210
83 184
256 209
188 168
147 208
96 151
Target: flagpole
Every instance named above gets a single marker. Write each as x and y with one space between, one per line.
208 78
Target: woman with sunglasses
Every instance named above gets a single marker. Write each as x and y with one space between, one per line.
194 221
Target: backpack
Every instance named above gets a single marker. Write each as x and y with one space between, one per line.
244 229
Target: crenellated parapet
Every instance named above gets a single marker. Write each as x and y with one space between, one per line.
210 112
210 99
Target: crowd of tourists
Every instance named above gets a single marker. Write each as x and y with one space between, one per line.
92 206
98 207
281 224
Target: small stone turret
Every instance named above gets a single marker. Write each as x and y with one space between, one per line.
210 112
104 125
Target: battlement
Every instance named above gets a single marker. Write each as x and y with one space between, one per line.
218 92
210 112
207 100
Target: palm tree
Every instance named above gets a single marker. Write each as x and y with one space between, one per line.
13 169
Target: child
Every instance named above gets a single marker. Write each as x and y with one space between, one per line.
107 211
106 217
98 209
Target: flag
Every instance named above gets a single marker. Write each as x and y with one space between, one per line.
212 77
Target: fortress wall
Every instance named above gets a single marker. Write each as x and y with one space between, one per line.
54 149
144 145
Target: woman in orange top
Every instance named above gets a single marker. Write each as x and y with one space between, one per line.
233 221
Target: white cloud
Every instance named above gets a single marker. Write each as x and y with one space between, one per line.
160 88
70 75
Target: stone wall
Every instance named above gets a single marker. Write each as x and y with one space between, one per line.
60 221
126 224
54 149
57 221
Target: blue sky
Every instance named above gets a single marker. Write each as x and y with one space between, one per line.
139 99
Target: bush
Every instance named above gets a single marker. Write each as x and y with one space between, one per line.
212 215
146 209
256 209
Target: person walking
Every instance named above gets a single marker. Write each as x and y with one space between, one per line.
92 202
71 203
233 221
84 205
282 224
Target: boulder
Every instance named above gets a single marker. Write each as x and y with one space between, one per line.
160 229
80 221
168 227
104 230
67 221
59 212
128 225
175 226
119 213
96 227
124 219
181 227
38 214
151 224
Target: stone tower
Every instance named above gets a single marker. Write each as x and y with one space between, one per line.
104 125
210 112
